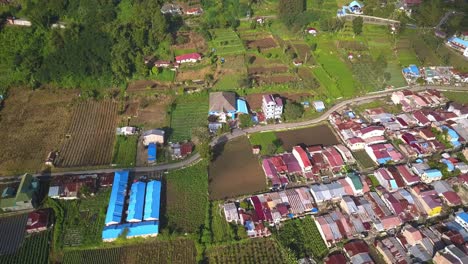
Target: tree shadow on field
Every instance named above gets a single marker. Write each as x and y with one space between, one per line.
168 131
163 204
218 149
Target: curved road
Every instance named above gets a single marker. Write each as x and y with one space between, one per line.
238 132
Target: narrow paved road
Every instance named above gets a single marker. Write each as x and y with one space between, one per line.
274 127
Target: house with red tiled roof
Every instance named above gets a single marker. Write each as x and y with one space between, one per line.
408 176
334 258
421 118
333 158
191 57
303 159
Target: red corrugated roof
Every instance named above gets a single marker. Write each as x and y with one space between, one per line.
189 56
303 155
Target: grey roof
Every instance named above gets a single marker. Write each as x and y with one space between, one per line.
457 253
53 191
441 187
361 258
419 253
222 102
154 132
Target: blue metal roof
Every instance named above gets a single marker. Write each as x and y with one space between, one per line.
242 106
414 69
137 197
463 216
152 152
459 41
53 191
134 229
152 200
117 198
393 184
356 3
433 173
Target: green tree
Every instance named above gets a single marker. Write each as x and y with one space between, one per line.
357 25
292 111
289 10
245 120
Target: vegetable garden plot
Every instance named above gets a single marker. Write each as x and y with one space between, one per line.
91 135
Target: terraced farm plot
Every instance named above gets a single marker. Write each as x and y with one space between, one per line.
258 251
189 112
35 249
180 251
91 135
226 42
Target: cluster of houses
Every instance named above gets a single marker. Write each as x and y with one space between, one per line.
314 163
441 75
20 197
415 133
133 212
270 209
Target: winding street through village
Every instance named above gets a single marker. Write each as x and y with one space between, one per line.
272 127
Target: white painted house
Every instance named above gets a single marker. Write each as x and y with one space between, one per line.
272 107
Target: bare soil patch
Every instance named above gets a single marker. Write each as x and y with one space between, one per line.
272 69
266 43
91 135
33 123
317 135
143 85
235 171
196 41
151 112
270 79
188 74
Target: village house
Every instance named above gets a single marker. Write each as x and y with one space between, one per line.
358 252
319 106
185 58
222 105
155 136
18 22
162 64
22 197
126 131
171 9
272 107
303 159
70 187
311 31
430 201
195 11
459 43
37 221
230 212
462 219
392 251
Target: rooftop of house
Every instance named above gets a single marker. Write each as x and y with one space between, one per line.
222 102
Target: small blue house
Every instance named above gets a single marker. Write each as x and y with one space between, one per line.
431 175
152 153
412 71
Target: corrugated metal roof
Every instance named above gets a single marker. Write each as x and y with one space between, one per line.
152 152
135 207
117 198
148 228
152 200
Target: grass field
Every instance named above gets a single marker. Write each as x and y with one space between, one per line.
220 231
226 42
459 97
190 111
125 149
390 108
163 252
264 140
228 82
35 249
254 251
163 75
187 198
363 158
374 180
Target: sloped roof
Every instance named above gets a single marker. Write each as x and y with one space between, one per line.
135 207
152 200
222 102
117 197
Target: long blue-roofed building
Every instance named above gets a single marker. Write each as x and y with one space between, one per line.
117 198
142 218
136 202
152 200
141 229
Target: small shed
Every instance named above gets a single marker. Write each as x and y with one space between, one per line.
256 149
319 106
152 153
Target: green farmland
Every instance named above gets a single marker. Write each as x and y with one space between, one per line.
125 149
268 142
226 42
189 111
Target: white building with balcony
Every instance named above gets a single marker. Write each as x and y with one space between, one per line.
272 107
